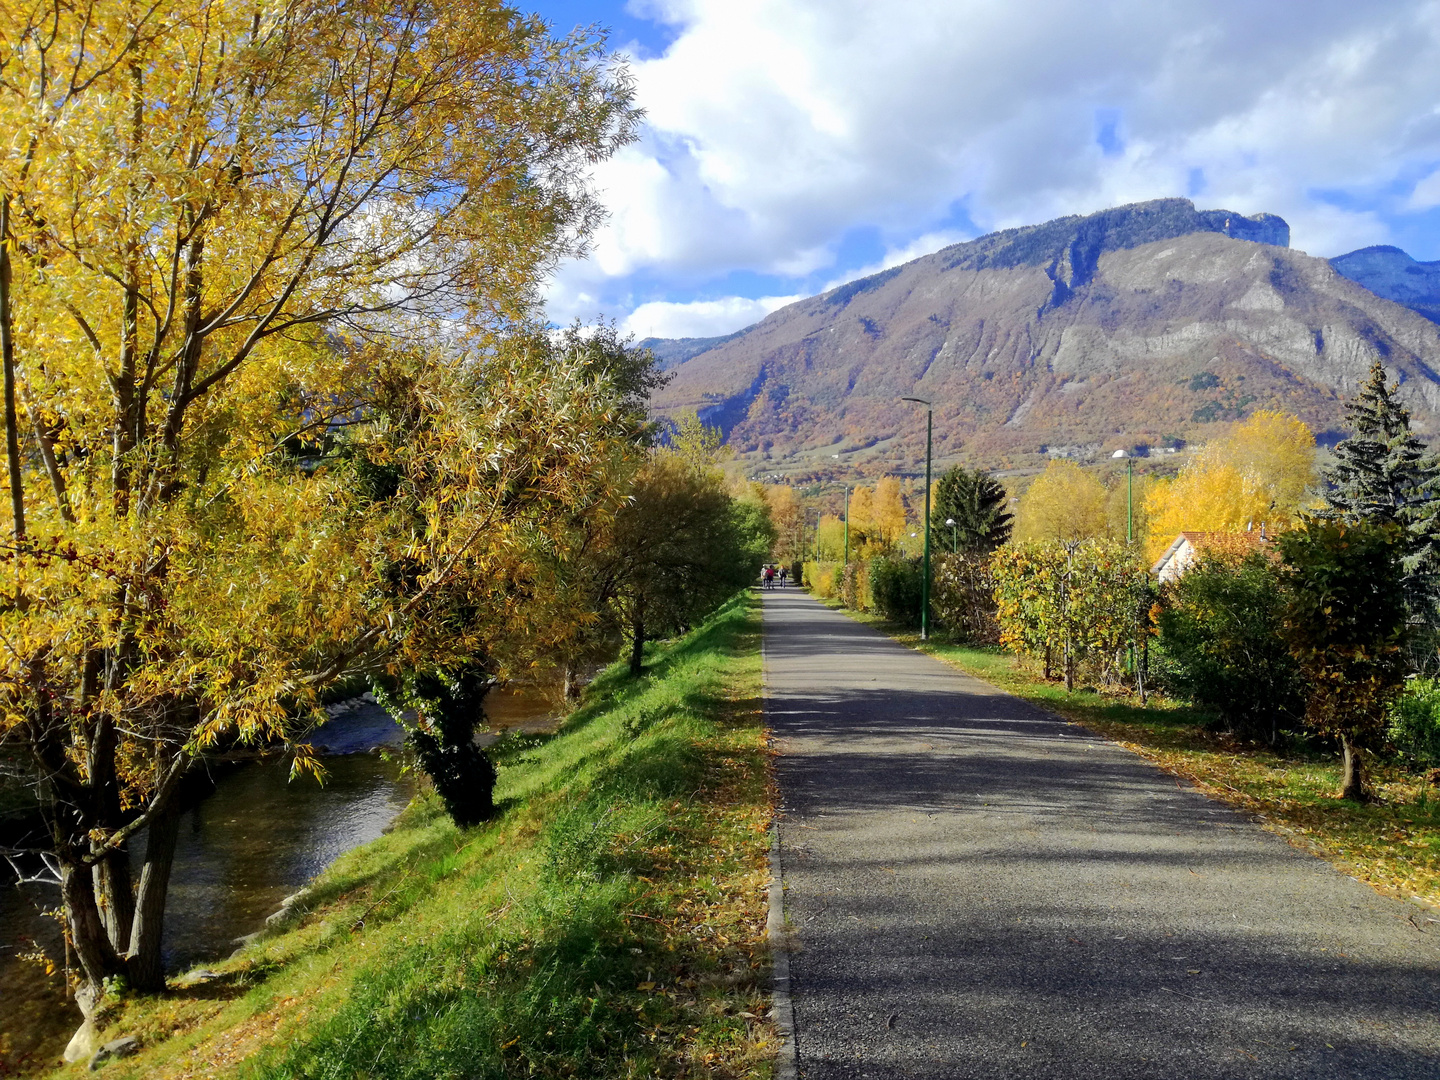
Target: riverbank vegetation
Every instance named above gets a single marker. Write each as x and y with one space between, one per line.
282 412
610 922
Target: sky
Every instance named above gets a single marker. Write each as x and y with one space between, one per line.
791 145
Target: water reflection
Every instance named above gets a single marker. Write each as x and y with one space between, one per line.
256 839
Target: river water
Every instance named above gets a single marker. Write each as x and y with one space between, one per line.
257 839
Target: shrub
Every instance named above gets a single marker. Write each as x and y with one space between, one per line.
822 578
1079 602
855 586
896 587
962 597
1415 722
1221 626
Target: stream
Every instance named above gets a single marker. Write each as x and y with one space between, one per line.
255 840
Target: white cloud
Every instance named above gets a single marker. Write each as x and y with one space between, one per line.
1426 194
701 318
927 244
774 126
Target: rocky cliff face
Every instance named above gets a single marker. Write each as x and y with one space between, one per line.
1389 272
1143 325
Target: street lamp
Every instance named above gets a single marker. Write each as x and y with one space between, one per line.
1129 494
925 581
954 537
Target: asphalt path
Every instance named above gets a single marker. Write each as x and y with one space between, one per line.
976 889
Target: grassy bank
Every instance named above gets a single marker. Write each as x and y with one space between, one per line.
610 923
1394 844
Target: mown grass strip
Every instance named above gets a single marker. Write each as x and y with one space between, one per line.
610 923
1393 844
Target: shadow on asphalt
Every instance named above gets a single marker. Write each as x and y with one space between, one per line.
978 889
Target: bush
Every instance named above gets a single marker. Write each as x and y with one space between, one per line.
962 597
1079 603
855 586
1415 722
822 579
896 586
1221 628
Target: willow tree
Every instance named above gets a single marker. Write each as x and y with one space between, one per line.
220 218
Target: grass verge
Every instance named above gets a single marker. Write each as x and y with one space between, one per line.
1393 843
610 922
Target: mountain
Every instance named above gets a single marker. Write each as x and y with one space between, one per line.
1389 272
1145 325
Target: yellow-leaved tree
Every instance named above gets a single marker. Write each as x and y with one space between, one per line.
1065 502
218 220
1259 473
888 512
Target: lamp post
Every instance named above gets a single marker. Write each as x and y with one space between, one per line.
925 581
954 537
1129 526
1129 494
847 525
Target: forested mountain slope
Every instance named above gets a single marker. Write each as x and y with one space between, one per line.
1145 324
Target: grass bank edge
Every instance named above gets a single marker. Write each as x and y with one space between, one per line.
609 922
1392 845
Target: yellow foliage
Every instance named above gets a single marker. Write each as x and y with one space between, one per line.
788 516
1278 449
1065 502
862 509
888 512
1258 473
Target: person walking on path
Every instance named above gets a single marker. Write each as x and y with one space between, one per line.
975 888
784 571
769 577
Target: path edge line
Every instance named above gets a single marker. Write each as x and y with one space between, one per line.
787 1063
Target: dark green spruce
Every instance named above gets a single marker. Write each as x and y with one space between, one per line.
975 501
1385 474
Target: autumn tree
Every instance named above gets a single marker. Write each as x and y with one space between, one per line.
679 546
1068 601
787 515
534 503
1345 623
1065 503
218 220
887 512
862 517
1259 473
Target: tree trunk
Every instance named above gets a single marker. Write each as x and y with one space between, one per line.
1069 668
98 959
143 962
1048 664
7 362
1352 785
115 897
637 638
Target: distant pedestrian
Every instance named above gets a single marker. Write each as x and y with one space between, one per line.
784 573
769 577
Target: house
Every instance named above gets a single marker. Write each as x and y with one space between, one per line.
1185 549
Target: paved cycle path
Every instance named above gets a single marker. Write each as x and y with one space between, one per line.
979 890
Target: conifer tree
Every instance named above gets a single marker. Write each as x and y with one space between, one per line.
975 501
1385 474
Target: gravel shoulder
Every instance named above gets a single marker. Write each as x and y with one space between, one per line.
975 888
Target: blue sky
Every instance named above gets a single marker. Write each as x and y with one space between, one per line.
791 145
